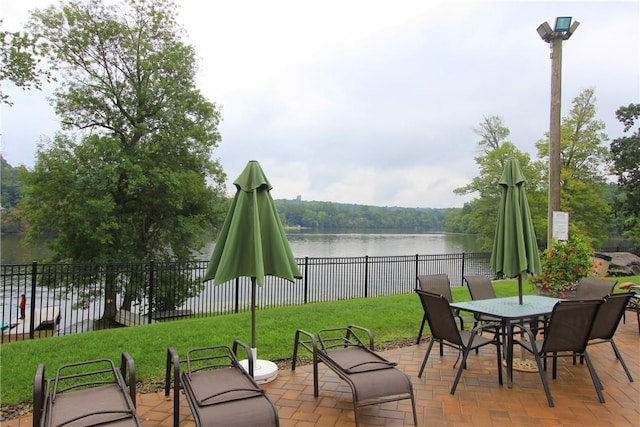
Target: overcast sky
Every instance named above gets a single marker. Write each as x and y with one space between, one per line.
374 102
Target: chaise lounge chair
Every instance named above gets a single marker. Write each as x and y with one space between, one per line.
373 379
218 389
87 393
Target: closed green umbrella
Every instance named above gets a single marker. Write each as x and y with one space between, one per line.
515 249
252 242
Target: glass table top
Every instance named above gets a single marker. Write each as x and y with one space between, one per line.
509 307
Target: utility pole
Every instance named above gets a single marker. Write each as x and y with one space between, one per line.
562 31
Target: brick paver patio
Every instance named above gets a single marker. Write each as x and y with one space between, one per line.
479 400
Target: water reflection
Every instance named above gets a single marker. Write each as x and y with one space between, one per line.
378 244
13 251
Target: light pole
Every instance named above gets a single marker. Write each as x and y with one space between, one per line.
562 31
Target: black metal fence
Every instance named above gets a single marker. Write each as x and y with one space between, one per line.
71 298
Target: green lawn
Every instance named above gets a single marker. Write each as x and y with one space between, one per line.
390 318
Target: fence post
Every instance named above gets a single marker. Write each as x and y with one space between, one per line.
32 306
237 294
415 283
306 279
462 276
366 276
151 288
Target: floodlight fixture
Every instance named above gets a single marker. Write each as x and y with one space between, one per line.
545 31
563 23
572 30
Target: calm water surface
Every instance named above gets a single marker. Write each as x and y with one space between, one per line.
306 243
378 244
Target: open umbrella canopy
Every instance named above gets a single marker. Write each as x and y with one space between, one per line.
252 241
515 249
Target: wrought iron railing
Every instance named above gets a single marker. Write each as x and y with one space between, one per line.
71 298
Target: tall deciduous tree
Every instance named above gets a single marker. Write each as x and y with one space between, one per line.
626 166
130 178
584 158
495 149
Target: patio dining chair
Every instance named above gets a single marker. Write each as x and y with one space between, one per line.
606 323
480 288
87 393
445 330
594 288
634 302
440 284
634 306
567 334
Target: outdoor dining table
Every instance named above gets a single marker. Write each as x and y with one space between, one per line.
510 311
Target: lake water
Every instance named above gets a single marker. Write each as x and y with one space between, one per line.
307 243
320 245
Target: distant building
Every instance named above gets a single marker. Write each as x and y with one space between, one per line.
298 197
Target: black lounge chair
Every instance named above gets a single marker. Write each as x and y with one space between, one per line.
218 389
88 393
372 378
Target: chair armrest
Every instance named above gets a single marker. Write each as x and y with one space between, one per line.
39 390
173 365
128 371
250 354
530 334
351 329
310 345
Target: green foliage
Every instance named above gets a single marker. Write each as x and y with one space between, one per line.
626 166
11 194
584 158
563 264
20 59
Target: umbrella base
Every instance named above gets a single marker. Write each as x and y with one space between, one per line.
264 371
523 365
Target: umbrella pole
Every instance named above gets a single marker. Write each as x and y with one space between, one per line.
253 312
520 288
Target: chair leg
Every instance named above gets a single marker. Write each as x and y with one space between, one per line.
426 356
594 377
619 356
543 377
499 356
424 319
465 354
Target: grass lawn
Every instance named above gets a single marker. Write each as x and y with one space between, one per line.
391 319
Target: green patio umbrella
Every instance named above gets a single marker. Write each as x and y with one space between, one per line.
252 242
515 250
